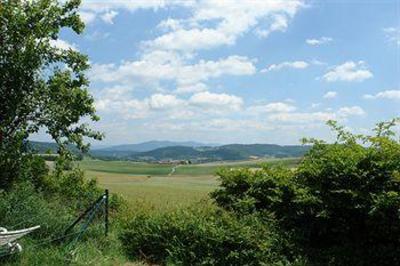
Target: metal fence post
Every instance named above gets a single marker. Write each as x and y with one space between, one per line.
106 213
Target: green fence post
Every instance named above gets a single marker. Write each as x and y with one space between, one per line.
106 212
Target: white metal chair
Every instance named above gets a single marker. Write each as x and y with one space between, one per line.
8 238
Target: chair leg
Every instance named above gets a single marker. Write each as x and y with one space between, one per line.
14 248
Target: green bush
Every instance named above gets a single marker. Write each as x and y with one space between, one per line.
35 171
341 206
51 199
246 191
24 207
199 236
54 201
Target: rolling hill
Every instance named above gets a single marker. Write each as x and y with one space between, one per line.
150 145
48 147
206 153
193 151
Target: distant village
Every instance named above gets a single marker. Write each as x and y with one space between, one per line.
176 162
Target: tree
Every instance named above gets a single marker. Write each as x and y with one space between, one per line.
42 85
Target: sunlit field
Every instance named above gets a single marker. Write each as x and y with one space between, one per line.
160 185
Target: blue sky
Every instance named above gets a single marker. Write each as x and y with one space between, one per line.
249 71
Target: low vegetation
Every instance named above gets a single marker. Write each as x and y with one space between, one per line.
341 203
200 235
53 200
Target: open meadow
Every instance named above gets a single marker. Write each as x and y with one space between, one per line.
165 185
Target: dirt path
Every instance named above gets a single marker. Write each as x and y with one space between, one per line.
173 169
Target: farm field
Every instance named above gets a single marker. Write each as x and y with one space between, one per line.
162 185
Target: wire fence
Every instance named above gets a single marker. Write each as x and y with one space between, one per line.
100 206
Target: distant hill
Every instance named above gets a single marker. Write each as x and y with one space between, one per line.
207 153
42 147
47 147
169 153
151 145
127 150
244 151
194 151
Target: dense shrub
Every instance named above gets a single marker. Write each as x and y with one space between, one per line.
23 207
341 205
53 200
247 191
50 199
75 189
35 171
199 236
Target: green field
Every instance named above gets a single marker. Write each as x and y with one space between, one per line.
160 185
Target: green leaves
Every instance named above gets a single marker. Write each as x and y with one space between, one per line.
344 198
42 85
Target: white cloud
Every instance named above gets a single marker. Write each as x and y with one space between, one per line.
392 35
160 65
221 100
87 17
190 34
317 62
190 40
349 71
351 111
229 125
161 101
319 41
107 98
290 100
198 87
106 9
206 112
131 5
300 118
280 23
330 95
261 33
229 21
316 117
294 64
118 100
170 24
61 44
387 94
97 35
202 105
276 107
109 16
127 108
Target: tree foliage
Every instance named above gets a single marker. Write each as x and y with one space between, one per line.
42 84
341 206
